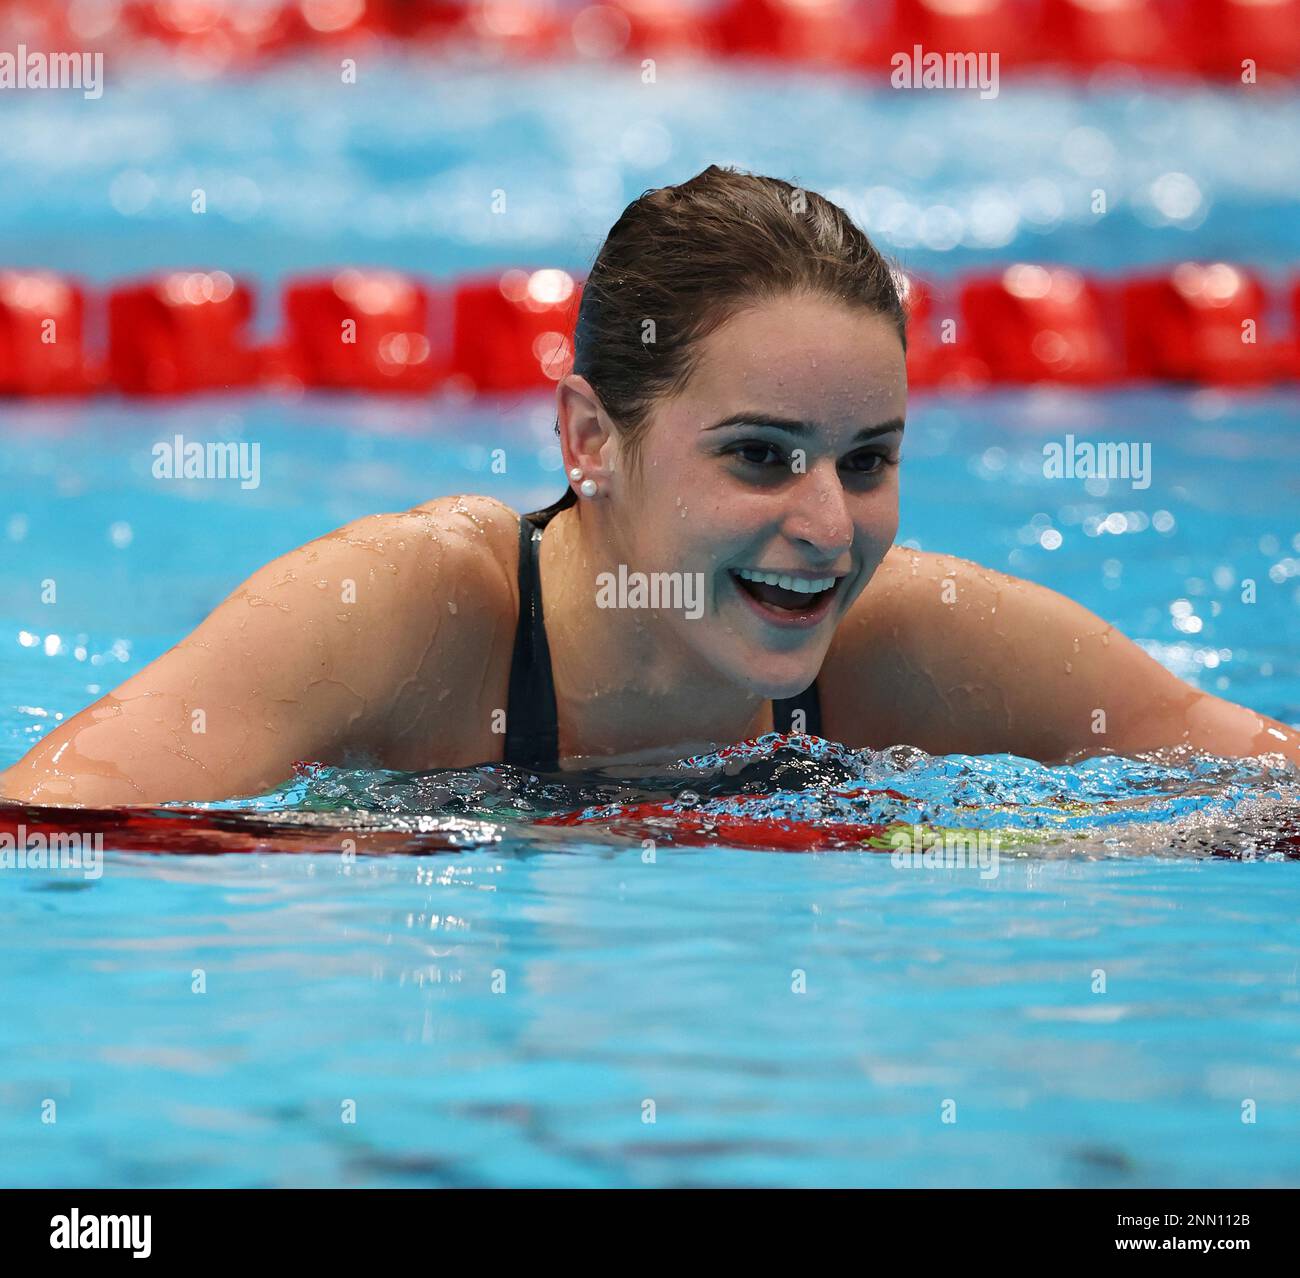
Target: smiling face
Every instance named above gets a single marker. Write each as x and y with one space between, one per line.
772 473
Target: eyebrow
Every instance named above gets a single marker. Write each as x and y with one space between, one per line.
794 426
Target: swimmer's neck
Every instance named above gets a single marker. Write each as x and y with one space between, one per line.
625 686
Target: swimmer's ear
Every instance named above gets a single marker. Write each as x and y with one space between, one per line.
585 428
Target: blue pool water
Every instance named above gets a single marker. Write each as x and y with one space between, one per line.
624 982
1097 1012
403 168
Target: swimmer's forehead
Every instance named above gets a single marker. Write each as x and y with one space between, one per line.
817 366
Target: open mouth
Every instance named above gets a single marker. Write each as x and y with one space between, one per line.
786 598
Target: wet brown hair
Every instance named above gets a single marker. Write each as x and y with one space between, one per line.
682 260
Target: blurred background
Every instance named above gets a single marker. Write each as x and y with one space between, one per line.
1099 230
1109 241
549 104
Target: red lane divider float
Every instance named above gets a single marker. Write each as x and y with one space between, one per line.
1092 34
1206 37
41 318
1206 323
362 330
1201 322
1005 26
187 331
1040 323
512 331
835 32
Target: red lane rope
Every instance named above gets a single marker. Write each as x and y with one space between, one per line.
510 331
1184 37
52 838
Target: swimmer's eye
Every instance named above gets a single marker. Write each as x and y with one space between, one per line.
869 463
759 453
766 456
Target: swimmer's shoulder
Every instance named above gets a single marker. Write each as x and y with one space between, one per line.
926 627
962 606
453 594
384 643
478 537
452 549
956 657
909 580
910 585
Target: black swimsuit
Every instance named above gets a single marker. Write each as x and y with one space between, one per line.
532 729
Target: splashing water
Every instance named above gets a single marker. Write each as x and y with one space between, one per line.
808 794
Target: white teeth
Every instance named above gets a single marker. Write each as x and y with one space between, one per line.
803 585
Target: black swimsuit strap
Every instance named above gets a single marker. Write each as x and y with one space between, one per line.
532 726
809 702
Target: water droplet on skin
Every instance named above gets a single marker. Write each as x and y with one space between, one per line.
1069 667
451 606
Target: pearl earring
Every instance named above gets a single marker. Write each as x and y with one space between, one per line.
587 488
576 473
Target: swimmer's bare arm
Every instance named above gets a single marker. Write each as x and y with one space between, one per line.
348 648
944 654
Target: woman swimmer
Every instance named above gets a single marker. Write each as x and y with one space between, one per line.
734 420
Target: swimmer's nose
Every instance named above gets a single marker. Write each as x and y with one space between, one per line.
818 515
